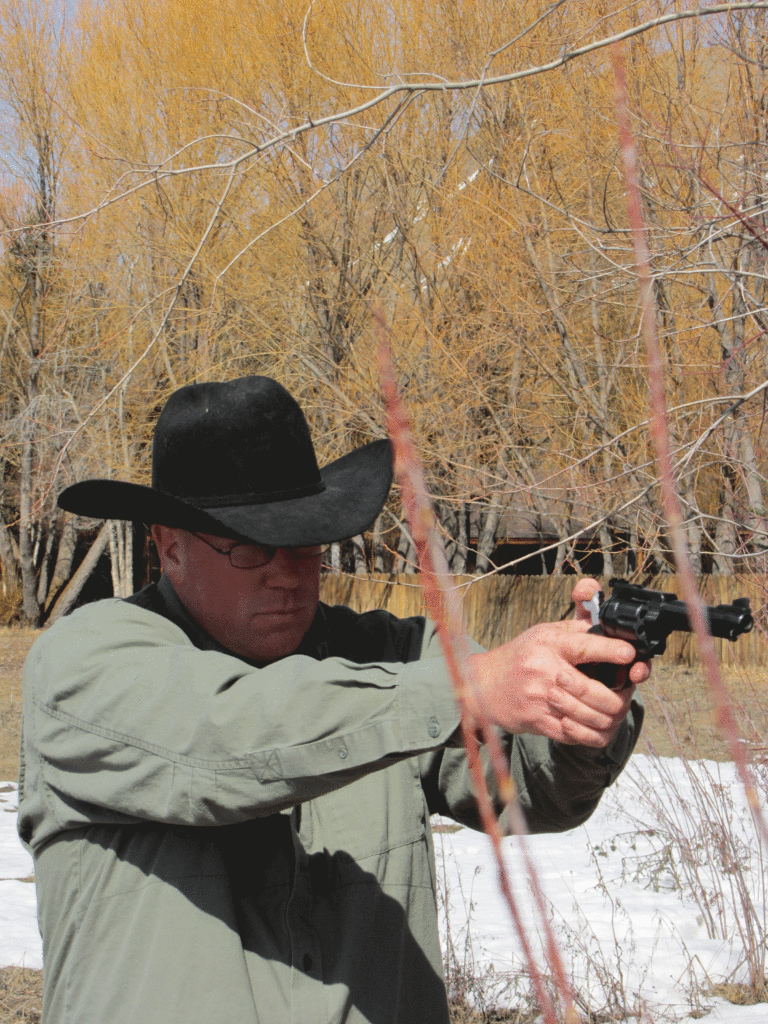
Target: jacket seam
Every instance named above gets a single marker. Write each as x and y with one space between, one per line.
409 839
131 741
46 790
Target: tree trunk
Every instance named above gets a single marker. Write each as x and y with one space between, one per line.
406 553
377 548
560 554
632 550
9 563
128 559
114 558
694 546
51 540
447 525
334 557
64 558
740 470
72 590
606 544
121 557
459 560
486 542
358 552
31 610
9 548
725 540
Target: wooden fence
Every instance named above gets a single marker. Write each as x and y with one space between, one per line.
497 608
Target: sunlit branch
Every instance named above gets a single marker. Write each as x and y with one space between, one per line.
420 87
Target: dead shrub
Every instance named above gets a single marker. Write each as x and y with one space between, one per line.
11 604
21 995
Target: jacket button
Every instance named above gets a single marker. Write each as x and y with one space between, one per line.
343 753
433 728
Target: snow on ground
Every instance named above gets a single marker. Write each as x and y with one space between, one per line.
629 926
631 920
19 938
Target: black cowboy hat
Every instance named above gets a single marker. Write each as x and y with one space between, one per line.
237 459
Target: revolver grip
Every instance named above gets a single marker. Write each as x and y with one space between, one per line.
615 677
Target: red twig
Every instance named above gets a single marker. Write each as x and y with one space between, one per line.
444 609
660 439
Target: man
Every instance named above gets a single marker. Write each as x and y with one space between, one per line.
227 786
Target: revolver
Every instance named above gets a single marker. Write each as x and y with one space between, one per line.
646 618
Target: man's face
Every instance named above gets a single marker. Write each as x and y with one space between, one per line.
261 614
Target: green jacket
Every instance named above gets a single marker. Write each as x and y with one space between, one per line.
218 843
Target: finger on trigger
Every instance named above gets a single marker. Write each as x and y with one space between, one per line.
589 648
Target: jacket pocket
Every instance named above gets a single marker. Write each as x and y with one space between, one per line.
375 814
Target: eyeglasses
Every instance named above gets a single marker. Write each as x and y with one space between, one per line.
253 556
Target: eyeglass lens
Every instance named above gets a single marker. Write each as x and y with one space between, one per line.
252 556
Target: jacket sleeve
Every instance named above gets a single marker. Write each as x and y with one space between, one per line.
126 721
558 786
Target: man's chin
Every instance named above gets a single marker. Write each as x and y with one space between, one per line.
275 635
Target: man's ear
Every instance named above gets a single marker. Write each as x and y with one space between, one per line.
168 543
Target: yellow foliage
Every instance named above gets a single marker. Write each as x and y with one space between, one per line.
234 194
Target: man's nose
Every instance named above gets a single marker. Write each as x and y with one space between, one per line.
285 567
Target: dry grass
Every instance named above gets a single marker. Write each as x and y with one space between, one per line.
21 999
742 995
463 1013
21 995
14 647
680 712
11 603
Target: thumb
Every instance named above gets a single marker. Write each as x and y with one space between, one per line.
584 591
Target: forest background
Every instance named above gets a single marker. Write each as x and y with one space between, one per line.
198 190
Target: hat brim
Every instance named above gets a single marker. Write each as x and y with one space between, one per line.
356 487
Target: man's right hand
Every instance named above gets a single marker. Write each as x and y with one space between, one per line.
532 684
